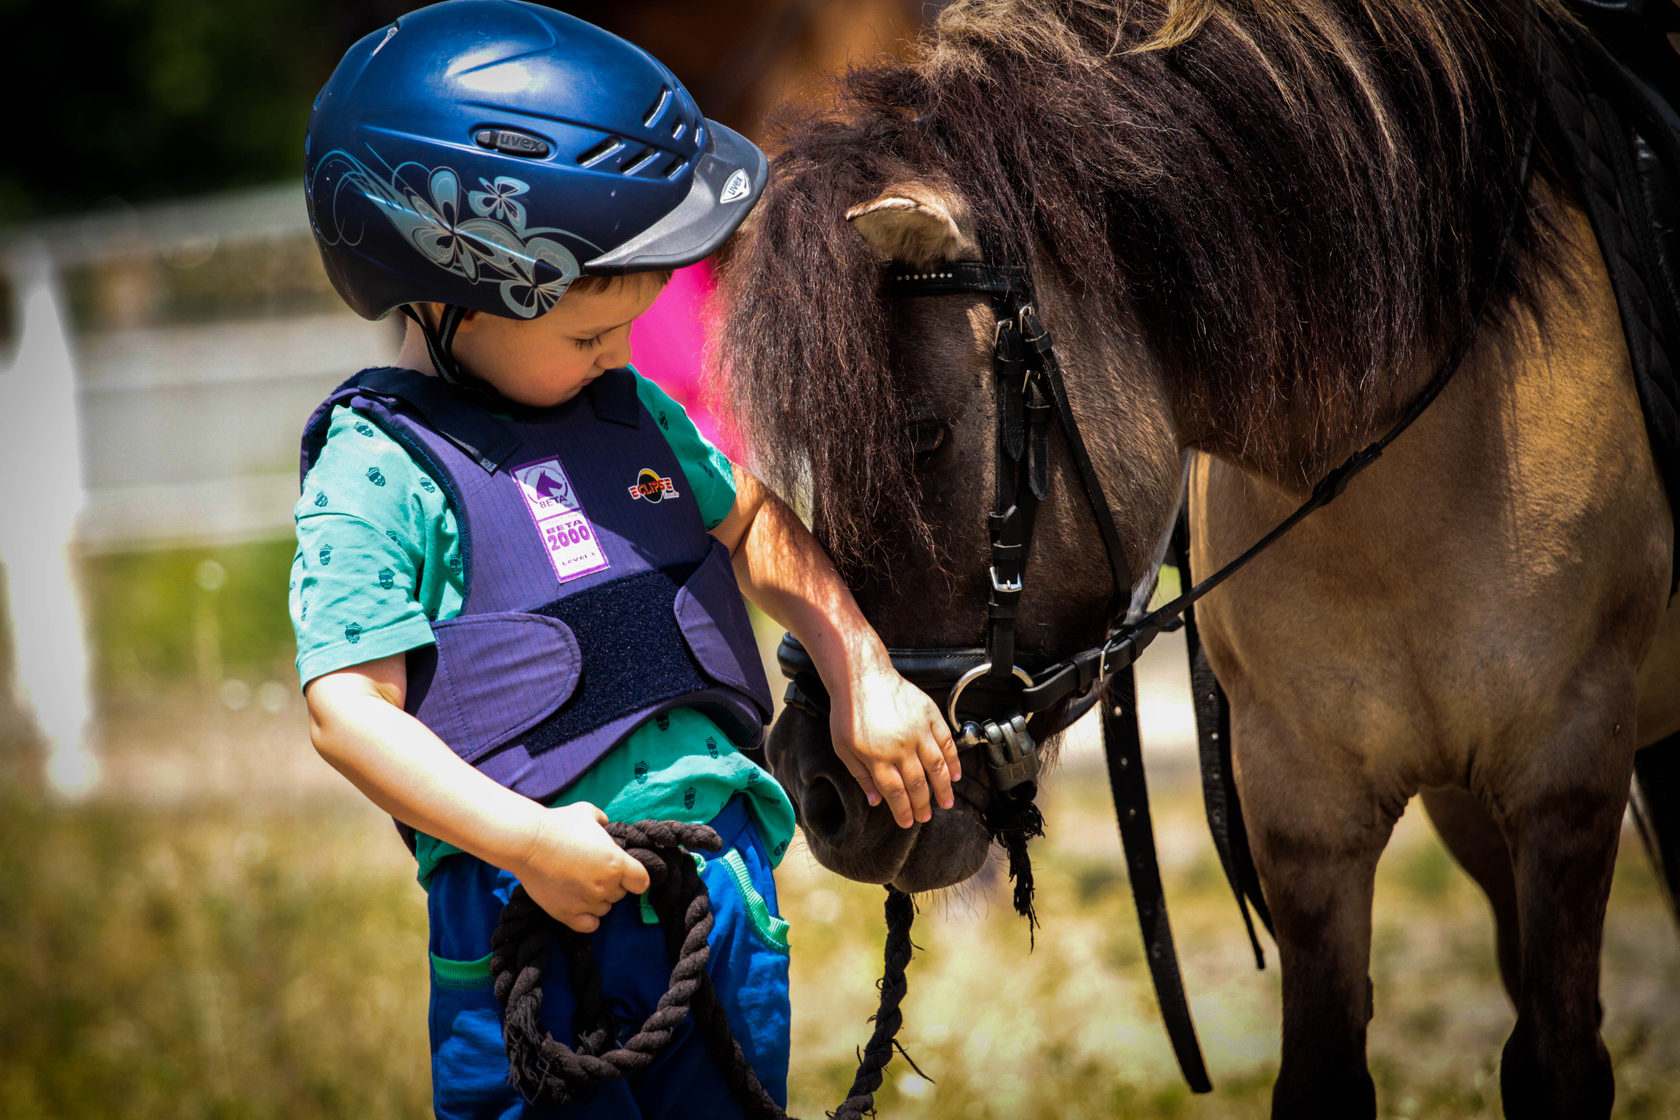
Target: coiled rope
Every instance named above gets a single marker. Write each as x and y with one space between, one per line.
547 1071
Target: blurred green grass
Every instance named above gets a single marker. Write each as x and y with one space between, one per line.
159 619
240 957
206 961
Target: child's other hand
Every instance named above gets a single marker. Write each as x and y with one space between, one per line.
894 741
574 870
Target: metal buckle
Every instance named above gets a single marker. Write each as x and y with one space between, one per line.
1011 754
1102 660
1113 648
1029 311
1011 586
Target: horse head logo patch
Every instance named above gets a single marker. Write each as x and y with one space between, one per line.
652 486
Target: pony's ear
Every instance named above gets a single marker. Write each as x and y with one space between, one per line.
917 224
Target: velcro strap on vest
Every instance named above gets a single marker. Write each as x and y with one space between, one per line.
633 655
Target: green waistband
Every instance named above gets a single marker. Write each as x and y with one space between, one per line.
461 974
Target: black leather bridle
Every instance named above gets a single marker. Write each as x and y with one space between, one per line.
1000 694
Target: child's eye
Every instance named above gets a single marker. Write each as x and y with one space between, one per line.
588 343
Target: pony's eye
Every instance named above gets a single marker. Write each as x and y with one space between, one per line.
926 436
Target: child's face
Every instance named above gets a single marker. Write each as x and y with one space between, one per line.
546 361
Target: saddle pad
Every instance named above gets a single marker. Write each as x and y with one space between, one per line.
1624 139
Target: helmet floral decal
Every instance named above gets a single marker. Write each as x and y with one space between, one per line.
491 246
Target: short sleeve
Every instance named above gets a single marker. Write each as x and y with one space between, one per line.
711 478
373 530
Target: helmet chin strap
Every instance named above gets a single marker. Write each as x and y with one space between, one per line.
440 345
440 341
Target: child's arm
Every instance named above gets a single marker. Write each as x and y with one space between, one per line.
889 734
565 859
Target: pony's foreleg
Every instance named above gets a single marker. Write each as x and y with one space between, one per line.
1562 816
1317 831
1474 839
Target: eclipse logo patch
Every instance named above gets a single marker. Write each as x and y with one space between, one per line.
566 534
651 486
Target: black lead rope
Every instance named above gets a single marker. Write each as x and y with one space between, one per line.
547 1072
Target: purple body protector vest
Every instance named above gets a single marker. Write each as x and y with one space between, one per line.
595 598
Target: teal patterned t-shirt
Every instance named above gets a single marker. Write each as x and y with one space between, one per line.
378 561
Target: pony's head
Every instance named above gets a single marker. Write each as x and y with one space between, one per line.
919 566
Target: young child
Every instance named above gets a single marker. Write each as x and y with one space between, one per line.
515 590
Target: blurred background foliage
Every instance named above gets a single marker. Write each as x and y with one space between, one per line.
142 100
150 99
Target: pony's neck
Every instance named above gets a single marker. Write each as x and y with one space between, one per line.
1295 441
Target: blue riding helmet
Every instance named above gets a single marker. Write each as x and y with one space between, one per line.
484 153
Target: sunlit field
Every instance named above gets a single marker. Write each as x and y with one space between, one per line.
229 931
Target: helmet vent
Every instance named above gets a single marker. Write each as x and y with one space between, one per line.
674 168
678 129
600 152
644 157
658 107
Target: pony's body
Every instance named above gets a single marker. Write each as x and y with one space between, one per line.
1278 224
1480 619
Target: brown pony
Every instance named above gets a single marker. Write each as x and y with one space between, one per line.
1254 227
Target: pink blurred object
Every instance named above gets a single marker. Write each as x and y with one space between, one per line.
669 343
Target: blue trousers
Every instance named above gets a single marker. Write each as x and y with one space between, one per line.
749 967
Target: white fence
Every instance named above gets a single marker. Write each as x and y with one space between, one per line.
134 430
187 432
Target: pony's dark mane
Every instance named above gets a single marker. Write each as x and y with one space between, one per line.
1295 200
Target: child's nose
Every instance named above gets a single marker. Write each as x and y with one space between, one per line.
615 350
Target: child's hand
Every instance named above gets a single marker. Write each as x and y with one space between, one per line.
574 870
894 741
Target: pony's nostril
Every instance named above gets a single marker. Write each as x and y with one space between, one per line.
824 808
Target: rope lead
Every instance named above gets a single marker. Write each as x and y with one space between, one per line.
548 1072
